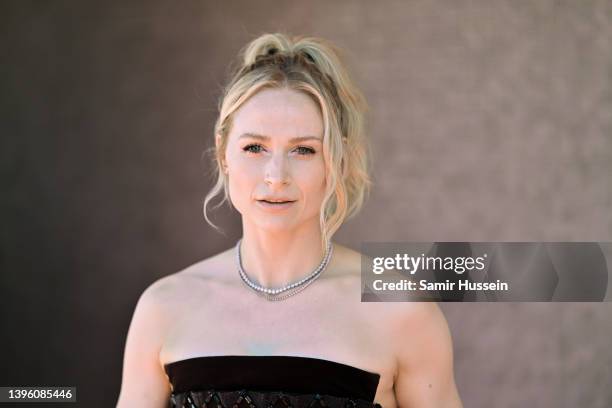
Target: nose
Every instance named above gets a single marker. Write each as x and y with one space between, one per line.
277 171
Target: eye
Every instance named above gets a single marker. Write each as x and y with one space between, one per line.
252 148
303 150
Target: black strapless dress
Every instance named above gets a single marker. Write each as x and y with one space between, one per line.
269 382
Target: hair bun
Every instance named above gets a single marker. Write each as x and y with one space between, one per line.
264 46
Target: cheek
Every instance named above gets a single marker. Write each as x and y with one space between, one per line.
243 179
312 180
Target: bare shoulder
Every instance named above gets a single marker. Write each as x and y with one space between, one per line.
422 344
421 320
392 317
144 381
168 289
409 321
414 331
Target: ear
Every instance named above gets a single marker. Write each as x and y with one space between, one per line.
217 140
217 146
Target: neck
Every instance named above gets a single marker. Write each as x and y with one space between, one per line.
275 259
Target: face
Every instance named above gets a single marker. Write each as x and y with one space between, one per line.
275 153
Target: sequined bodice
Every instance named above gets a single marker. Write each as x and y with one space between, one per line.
269 382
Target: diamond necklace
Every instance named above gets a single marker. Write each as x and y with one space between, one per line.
292 288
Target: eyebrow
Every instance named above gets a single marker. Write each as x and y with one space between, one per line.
266 138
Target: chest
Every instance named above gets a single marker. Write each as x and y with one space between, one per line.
233 320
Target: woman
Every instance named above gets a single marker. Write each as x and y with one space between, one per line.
277 319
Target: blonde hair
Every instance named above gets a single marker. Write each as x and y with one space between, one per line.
312 66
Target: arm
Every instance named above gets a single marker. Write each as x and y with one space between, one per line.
144 382
425 360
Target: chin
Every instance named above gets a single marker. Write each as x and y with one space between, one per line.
277 226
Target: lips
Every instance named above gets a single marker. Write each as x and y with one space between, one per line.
276 200
275 206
